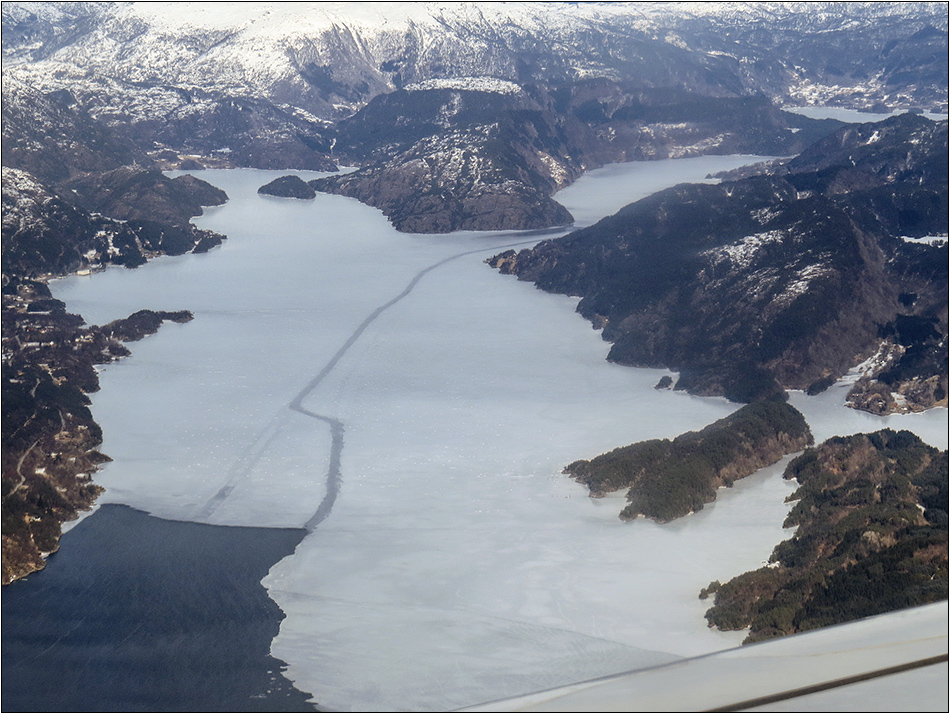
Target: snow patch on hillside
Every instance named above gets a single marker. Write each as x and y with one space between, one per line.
742 253
927 240
468 84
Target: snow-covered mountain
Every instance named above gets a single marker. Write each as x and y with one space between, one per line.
265 84
142 60
562 87
575 85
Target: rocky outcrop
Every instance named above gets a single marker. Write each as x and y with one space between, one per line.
453 188
143 323
63 151
871 517
669 479
908 374
234 131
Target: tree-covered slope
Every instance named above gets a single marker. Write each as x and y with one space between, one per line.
669 479
871 518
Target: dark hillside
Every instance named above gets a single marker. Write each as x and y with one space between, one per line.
77 197
438 160
770 281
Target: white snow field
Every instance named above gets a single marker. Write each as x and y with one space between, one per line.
450 562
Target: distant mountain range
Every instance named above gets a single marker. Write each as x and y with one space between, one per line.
152 62
461 115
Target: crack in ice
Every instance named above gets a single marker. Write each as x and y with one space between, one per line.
334 479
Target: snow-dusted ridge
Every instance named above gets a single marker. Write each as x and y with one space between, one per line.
470 84
330 58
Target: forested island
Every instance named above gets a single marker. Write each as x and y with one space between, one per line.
290 186
871 519
668 479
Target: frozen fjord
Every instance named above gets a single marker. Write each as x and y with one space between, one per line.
458 564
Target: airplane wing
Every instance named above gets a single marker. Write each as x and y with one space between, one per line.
888 663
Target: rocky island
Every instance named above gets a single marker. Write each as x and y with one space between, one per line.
668 479
288 187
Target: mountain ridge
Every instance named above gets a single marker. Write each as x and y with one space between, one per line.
137 65
771 281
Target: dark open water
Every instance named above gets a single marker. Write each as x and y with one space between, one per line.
136 613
